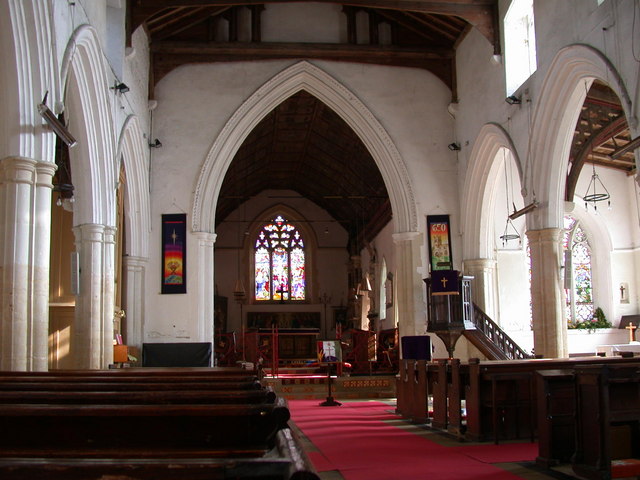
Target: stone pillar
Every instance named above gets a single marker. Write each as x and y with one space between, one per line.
205 285
547 293
410 286
483 285
108 294
94 304
41 267
17 178
133 302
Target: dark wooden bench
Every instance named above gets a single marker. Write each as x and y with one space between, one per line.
26 386
414 389
556 412
476 386
138 397
87 425
284 461
58 429
608 421
492 386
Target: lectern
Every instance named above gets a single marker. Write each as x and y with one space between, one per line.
449 305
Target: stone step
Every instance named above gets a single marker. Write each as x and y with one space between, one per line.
315 387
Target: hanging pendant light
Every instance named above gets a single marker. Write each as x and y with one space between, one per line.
510 231
596 191
592 195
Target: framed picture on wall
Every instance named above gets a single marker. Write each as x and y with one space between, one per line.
439 234
174 253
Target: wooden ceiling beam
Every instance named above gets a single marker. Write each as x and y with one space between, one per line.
180 23
409 22
483 14
591 144
202 51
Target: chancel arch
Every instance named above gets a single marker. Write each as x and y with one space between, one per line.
306 76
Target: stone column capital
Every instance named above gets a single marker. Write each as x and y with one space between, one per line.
18 169
206 238
405 237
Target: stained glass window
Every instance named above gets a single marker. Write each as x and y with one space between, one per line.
579 306
279 262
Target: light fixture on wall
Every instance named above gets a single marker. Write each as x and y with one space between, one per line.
596 196
56 125
454 147
155 144
513 100
120 87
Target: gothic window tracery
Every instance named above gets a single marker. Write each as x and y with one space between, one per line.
279 255
579 283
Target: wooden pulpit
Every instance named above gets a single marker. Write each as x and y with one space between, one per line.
449 305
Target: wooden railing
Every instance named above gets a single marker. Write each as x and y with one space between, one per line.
497 336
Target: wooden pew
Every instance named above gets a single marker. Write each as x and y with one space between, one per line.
283 461
440 390
403 388
501 395
160 427
608 421
138 397
414 389
556 416
26 386
148 429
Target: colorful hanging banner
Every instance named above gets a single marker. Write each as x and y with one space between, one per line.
174 253
439 233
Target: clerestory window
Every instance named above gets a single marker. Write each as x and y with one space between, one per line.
520 44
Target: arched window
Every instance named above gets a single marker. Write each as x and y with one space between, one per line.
578 274
279 262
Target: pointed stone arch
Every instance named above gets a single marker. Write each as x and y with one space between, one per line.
95 173
131 149
478 214
308 77
478 197
93 162
554 120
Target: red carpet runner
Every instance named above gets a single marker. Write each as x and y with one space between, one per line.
355 440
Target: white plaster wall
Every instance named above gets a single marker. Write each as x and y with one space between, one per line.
136 77
513 290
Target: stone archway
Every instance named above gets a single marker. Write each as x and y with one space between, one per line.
95 173
135 158
308 77
562 96
478 214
